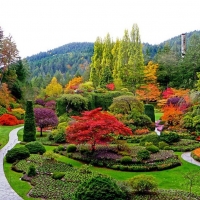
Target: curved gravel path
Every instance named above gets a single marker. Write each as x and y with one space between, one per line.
6 192
187 157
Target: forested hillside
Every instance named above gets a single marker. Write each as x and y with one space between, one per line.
73 59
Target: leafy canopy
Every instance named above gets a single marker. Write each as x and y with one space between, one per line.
95 127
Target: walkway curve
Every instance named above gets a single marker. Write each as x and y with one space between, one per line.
187 157
6 192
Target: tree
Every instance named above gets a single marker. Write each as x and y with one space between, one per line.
29 123
95 127
150 72
74 83
45 117
5 96
148 93
54 88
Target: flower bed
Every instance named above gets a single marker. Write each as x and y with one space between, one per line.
196 154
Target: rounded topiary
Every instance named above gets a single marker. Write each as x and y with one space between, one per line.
60 138
99 188
58 175
35 147
149 111
143 154
162 144
143 183
31 171
71 148
17 154
126 160
154 138
152 148
169 137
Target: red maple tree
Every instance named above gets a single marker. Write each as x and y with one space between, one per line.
95 127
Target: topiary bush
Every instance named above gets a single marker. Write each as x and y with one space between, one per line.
60 138
99 188
143 154
71 148
58 175
143 183
149 111
152 148
17 154
35 147
170 137
154 138
29 123
162 145
31 171
126 160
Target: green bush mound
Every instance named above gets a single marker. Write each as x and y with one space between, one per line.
152 148
143 183
31 171
58 175
99 188
71 148
170 137
153 138
35 147
17 154
143 154
126 160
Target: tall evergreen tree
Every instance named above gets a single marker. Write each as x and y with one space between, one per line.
96 62
29 123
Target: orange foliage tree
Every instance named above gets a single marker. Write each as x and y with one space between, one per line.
74 83
148 93
172 115
5 96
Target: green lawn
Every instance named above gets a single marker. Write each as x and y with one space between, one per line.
158 115
167 179
4 134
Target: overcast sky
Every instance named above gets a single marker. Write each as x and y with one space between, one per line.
41 25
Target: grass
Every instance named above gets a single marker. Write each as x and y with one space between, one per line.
167 179
158 115
4 134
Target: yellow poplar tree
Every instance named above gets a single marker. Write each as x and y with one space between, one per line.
150 72
54 88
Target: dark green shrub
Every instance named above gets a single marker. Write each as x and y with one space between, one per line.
143 154
60 138
154 138
17 154
169 137
162 145
71 148
61 148
149 111
71 102
29 123
126 160
35 147
99 188
2 110
152 148
31 171
143 183
58 175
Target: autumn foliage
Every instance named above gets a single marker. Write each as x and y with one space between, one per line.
74 83
95 127
148 93
9 120
172 114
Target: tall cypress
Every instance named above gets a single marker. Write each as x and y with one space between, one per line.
29 123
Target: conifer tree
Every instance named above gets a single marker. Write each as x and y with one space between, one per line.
96 66
29 123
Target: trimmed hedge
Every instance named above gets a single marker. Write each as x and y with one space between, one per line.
35 147
149 111
17 154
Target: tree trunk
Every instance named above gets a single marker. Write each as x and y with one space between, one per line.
40 131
